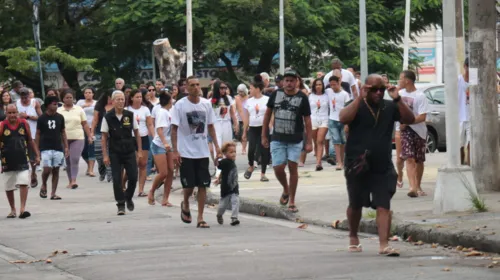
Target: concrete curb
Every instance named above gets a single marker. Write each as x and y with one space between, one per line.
417 232
427 234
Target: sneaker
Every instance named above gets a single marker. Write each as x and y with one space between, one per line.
121 210
235 221
130 205
331 161
102 177
109 177
325 158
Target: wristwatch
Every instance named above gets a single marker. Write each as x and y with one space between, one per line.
397 99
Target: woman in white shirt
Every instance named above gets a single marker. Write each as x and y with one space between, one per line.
143 117
88 105
318 100
223 105
161 149
252 125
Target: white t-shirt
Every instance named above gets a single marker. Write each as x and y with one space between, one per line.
417 101
347 77
30 110
256 108
140 115
192 121
89 111
463 104
222 112
105 127
155 110
337 101
163 120
319 106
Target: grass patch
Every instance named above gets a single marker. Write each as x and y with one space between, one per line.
478 203
370 214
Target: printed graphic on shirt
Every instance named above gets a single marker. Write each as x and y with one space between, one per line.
408 101
285 115
256 109
51 124
223 108
196 121
334 102
232 178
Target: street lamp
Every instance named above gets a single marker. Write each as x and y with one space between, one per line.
189 37
407 35
38 46
282 39
363 49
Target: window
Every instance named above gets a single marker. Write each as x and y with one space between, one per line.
435 95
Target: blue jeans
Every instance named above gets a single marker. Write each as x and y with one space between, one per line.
336 129
283 152
150 158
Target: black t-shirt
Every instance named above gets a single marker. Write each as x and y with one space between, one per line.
365 135
51 127
289 111
229 177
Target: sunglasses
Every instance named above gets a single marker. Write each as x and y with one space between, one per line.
375 89
223 87
151 90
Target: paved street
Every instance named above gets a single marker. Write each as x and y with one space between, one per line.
152 243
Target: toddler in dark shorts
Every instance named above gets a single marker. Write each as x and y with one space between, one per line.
228 179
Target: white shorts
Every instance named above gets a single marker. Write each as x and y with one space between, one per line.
14 179
319 124
464 133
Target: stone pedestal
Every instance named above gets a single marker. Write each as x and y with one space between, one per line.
453 190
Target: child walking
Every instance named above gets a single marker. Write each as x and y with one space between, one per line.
229 189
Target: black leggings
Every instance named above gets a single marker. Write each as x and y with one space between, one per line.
255 148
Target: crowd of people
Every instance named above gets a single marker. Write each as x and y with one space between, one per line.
177 131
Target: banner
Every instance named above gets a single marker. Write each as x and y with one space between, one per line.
428 57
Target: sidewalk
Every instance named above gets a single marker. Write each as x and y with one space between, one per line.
322 199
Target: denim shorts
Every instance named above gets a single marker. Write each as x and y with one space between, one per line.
52 158
283 152
337 133
158 150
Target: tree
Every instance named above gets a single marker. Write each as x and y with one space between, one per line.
249 28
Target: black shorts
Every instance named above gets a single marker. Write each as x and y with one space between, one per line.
194 173
144 143
372 190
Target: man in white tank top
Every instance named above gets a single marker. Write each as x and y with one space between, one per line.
29 109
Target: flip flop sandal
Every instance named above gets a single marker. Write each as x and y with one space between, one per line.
91 175
338 168
235 222
355 248
11 216
412 194
202 224
284 199
55 197
400 184
168 204
142 194
319 167
34 183
389 252
421 193
24 215
248 174
74 186
43 193
264 179
220 220
187 214
293 209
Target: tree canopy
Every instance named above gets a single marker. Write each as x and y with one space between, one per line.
118 33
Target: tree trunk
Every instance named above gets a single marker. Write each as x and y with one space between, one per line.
265 61
484 101
170 61
232 77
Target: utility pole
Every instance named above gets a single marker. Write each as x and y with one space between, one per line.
407 35
454 184
460 31
483 96
38 45
363 49
282 38
189 39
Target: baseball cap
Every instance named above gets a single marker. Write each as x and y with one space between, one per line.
291 73
24 91
278 78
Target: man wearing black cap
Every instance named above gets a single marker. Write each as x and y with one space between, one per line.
278 81
50 138
292 116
